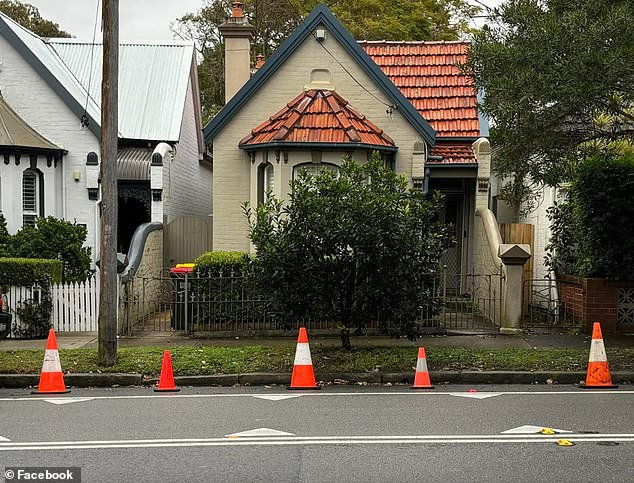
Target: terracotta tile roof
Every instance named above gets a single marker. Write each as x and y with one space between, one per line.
453 153
318 116
427 75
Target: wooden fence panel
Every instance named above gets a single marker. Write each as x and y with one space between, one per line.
186 238
522 233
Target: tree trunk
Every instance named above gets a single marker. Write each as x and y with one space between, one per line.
345 338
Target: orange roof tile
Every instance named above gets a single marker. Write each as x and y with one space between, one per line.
427 75
318 116
453 153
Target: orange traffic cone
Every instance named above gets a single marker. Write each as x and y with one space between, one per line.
303 375
166 382
421 379
598 376
51 378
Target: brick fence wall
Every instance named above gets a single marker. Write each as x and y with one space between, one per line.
592 300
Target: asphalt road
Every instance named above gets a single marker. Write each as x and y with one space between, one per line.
337 434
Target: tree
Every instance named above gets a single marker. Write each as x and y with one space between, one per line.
400 19
5 238
55 239
558 79
274 20
29 17
351 247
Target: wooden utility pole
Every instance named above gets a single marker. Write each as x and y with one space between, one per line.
108 302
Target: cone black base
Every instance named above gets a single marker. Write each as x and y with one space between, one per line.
414 387
35 393
317 388
583 386
156 389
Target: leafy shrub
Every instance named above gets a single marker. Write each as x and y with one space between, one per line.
350 247
55 239
26 272
35 314
212 264
593 232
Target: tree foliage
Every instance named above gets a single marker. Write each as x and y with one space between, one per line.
274 20
55 239
350 247
29 17
558 78
592 231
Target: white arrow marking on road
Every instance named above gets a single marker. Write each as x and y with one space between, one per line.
258 432
2 438
276 397
67 400
476 395
531 430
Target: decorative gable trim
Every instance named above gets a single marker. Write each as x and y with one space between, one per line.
320 15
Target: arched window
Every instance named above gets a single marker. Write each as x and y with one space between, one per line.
32 196
312 168
266 180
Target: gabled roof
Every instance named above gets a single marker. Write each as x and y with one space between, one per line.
318 117
15 133
427 74
153 79
320 15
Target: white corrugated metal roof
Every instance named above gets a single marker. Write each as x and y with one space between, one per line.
153 80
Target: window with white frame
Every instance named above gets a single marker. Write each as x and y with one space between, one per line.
32 202
266 182
313 169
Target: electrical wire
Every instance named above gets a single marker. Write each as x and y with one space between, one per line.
389 106
84 118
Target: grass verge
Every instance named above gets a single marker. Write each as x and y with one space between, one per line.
231 360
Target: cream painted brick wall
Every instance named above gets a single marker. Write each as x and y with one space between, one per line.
38 105
537 218
231 181
187 183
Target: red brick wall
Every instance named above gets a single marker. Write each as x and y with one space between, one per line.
591 299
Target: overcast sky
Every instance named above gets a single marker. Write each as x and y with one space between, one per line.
139 19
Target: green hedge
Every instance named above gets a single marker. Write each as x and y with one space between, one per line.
213 264
27 271
593 231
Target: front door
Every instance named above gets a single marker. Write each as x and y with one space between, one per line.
452 214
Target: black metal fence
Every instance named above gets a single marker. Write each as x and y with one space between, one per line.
233 304
542 308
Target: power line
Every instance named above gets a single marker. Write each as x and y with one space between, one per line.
84 118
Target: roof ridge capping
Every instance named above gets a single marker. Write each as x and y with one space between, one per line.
321 15
416 42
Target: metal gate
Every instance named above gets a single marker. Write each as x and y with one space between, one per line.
231 304
542 308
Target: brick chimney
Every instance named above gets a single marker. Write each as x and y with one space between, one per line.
238 34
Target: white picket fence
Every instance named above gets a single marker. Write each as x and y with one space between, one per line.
75 305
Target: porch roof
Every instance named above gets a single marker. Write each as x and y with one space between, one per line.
134 164
318 118
17 134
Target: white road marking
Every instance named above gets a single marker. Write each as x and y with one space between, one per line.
259 432
66 400
531 430
275 397
2 438
476 395
348 394
313 440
